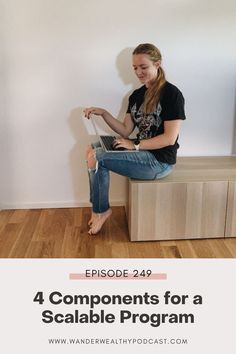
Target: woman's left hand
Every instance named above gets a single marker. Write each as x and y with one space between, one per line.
123 143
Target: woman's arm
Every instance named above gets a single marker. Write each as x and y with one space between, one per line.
124 128
171 132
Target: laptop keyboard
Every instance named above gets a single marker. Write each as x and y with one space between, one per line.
108 142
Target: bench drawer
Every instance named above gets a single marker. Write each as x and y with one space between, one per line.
231 211
188 210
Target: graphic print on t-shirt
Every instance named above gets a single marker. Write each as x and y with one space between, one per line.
147 123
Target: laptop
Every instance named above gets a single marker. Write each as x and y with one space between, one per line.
107 141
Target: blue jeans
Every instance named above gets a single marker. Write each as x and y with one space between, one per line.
136 165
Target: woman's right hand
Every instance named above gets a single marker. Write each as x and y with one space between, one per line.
93 110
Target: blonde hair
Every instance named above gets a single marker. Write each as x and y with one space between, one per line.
152 95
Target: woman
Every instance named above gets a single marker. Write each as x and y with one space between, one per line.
157 110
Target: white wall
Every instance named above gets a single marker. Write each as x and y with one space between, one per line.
59 56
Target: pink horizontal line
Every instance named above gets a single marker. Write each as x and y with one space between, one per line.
82 276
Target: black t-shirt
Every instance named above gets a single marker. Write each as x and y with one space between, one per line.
170 107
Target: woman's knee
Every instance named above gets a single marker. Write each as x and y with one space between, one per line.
88 151
91 159
93 155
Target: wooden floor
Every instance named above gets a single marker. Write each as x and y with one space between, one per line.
62 233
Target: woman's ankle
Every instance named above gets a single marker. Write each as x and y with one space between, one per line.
99 220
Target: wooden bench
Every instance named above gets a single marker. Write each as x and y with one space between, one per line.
197 200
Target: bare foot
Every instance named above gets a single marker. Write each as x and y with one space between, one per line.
98 222
92 218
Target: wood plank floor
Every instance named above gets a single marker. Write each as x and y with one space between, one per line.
62 233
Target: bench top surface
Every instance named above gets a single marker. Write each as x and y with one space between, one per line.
200 169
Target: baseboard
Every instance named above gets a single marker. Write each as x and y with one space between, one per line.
50 205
